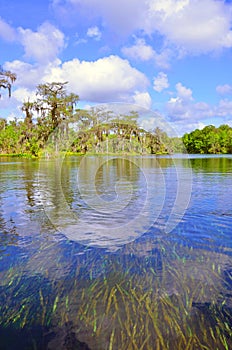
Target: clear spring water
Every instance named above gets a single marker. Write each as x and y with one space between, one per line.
116 253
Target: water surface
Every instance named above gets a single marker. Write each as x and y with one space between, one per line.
116 253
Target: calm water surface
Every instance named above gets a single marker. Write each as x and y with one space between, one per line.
116 253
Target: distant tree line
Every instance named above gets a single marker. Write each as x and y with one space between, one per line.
54 119
59 122
210 140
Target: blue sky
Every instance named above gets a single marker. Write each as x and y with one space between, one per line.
170 56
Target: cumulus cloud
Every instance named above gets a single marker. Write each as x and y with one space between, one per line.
160 82
187 114
182 127
110 78
23 94
121 17
183 107
94 32
224 108
142 99
152 122
154 119
104 80
196 26
163 58
29 75
44 44
107 79
224 89
183 92
140 51
7 32
192 26
177 110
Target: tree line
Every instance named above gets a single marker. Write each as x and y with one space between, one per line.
53 119
209 140
59 122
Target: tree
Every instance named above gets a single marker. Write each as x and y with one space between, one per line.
7 78
54 104
55 109
28 107
60 126
209 140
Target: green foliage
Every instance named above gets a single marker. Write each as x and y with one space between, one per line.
96 130
53 103
101 131
9 138
210 140
59 126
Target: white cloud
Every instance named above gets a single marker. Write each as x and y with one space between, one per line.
187 115
177 109
29 75
22 95
7 32
195 26
152 122
94 32
12 117
120 17
183 127
224 89
104 80
107 79
202 107
142 99
224 108
155 119
192 26
162 59
160 82
167 7
182 107
140 51
183 92
143 52
43 45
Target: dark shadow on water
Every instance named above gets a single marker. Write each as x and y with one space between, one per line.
40 338
12 338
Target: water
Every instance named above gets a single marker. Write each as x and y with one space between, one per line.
116 253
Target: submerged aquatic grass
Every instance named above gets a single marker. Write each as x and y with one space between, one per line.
178 307
160 292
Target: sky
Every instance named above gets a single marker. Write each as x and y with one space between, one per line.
171 57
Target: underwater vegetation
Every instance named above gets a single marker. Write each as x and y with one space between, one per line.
149 295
